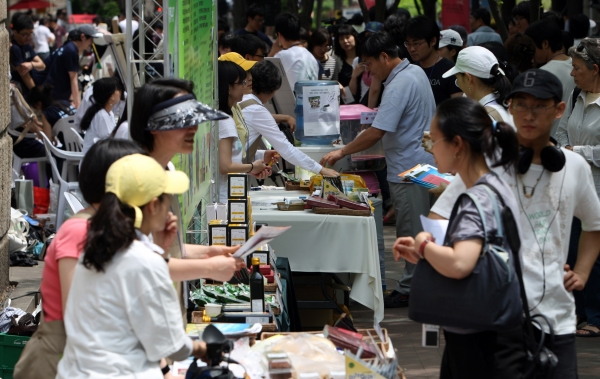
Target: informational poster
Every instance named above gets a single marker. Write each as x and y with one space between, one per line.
456 12
321 110
194 50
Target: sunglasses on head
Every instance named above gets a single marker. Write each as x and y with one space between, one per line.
581 49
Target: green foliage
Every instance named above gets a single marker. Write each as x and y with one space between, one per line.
109 10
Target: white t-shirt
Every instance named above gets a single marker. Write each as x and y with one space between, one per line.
102 125
121 322
123 25
123 131
261 122
87 101
227 130
41 34
577 198
299 64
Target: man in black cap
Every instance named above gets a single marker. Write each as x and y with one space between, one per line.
552 185
63 65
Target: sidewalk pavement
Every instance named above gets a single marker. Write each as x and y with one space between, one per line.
29 279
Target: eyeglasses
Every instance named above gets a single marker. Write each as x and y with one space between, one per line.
434 143
25 35
581 49
414 44
243 82
536 109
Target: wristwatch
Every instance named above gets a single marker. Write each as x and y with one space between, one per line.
422 248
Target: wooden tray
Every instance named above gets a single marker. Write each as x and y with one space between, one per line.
341 211
290 207
289 186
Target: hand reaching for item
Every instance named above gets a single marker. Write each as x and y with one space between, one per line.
329 172
271 157
223 267
331 158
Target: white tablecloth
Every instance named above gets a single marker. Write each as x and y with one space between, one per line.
325 243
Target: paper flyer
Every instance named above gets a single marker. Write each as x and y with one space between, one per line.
264 235
321 110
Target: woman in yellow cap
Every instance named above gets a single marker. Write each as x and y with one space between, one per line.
122 313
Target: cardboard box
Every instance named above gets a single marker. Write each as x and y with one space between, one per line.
237 186
237 211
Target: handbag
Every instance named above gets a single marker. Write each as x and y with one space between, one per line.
486 300
541 361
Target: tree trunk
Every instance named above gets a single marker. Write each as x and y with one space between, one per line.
292 6
393 8
575 7
418 7
534 13
337 5
364 10
429 9
507 7
239 14
559 6
319 14
380 8
494 7
306 14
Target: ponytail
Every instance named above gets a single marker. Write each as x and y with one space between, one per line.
89 115
110 230
499 83
466 118
503 136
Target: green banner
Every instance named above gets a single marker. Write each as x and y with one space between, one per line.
193 58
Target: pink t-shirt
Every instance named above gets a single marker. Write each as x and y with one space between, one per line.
68 243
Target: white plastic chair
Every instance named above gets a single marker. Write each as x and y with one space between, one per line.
72 159
74 202
18 161
64 185
79 138
65 126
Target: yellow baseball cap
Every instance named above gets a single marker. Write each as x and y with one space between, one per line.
137 179
238 59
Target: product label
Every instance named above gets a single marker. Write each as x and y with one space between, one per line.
237 186
258 305
257 320
238 213
262 257
367 117
238 236
219 236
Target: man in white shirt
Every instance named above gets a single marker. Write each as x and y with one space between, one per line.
43 38
552 185
123 24
549 56
266 80
299 63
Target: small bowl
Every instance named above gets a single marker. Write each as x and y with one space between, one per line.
212 310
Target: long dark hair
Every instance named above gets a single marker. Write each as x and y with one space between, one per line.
103 89
111 230
145 99
95 164
229 73
342 31
468 119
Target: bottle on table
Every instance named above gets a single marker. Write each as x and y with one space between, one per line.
257 287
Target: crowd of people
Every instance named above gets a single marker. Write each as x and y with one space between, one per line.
517 116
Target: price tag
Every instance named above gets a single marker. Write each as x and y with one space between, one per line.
257 320
367 117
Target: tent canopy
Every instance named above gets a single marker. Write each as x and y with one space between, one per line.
31 4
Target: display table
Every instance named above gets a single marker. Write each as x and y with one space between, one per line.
326 244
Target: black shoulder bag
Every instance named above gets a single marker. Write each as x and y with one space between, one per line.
486 300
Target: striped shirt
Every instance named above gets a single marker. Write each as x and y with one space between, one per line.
329 68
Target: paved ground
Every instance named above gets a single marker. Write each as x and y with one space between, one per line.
418 362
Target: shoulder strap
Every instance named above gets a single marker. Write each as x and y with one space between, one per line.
249 102
481 215
491 111
574 97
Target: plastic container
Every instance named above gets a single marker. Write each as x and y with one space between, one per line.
212 310
350 121
299 110
11 348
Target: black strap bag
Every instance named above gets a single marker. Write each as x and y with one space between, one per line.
486 300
